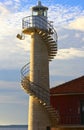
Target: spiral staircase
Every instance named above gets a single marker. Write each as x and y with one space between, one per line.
49 36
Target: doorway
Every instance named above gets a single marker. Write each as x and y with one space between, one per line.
82 112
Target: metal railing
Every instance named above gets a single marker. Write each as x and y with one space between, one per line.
40 23
36 89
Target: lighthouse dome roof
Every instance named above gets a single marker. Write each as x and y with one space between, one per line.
39 7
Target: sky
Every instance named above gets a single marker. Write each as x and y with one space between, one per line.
68 21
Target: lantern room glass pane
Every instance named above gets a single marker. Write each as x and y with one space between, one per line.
45 13
34 13
40 13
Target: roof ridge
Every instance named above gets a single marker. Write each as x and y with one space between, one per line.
73 86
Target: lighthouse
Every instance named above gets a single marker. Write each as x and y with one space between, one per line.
35 74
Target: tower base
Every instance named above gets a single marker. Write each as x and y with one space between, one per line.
38 116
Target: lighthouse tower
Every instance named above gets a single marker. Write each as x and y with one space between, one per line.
35 74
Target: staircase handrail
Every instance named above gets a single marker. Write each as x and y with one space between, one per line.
41 23
25 72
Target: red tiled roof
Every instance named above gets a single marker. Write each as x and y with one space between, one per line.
74 86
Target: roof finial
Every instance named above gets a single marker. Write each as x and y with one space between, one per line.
39 3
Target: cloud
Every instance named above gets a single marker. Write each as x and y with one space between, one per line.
67 68
11 92
70 53
12 5
9 85
26 44
11 99
62 15
3 10
8 3
11 49
77 24
70 38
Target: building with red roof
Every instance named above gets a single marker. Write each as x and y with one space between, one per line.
68 100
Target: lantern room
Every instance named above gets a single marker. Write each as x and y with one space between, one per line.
39 10
38 19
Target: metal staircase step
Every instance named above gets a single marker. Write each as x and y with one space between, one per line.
52 47
44 35
52 55
41 32
48 39
53 115
51 44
